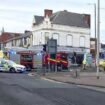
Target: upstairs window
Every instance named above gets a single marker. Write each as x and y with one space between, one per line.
56 36
46 36
69 40
82 41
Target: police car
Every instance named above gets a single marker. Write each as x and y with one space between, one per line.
11 66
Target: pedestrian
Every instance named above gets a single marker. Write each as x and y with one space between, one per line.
84 64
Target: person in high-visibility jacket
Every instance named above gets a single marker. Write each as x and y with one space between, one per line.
102 64
84 64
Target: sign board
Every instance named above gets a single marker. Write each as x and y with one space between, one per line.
52 46
70 49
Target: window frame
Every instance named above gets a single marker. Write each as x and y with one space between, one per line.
82 45
46 36
57 38
67 40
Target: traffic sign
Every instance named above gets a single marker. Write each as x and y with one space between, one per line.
52 46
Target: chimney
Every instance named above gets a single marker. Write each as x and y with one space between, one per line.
48 12
27 31
87 19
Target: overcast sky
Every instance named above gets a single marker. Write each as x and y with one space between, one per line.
17 15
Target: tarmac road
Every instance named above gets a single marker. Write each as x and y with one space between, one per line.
23 89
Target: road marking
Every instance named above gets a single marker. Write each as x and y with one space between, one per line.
92 88
52 80
31 74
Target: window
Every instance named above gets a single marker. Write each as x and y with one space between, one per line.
41 39
27 58
21 43
82 41
25 41
28 40
12 42
46 36
56 36
69 40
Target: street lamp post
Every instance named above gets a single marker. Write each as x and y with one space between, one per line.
98 36
94 4
95 32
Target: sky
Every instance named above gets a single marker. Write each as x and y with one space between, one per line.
17 15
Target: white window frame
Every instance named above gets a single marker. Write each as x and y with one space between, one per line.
82 41
57 38
69 40
46 36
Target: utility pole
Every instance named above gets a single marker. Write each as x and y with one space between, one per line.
95 49
95 33
98 36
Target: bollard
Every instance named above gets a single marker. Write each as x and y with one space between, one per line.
43 71
56 67
74 71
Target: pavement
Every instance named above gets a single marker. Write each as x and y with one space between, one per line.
88 77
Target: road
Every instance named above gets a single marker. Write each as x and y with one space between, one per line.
23 89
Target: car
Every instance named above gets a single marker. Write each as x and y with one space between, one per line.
11 66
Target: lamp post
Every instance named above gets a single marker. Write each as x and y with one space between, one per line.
98 36
95 32
94 4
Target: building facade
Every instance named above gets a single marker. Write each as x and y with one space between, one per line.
72 30
8 39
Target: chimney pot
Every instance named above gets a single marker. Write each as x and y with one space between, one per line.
87 19
48 12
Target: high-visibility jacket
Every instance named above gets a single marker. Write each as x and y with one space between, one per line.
84 61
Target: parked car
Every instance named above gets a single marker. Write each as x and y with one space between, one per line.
11 66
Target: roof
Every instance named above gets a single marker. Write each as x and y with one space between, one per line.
27 34
69 19
38 19
66 18
7 36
